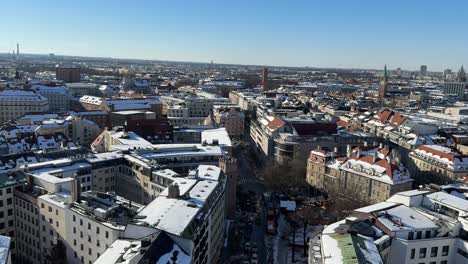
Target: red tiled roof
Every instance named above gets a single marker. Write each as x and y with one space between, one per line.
384 151
275 122
383 116
380 162
342 123
439 153
398 119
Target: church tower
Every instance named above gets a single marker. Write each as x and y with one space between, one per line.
383 84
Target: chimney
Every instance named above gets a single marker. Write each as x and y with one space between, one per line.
381 145
375 156
75 195
30 182
389 159
335 149
358 153
349 151
174 191
319 147
365 143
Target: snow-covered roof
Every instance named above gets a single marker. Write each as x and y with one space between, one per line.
444 155
21 96
449 200
219 134
88 99
182 150
376 207
401 218
174 215
44 89
380 170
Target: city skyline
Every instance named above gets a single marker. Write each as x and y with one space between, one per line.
404 35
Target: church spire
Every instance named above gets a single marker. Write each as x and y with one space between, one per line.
383 84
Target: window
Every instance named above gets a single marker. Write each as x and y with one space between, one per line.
419 235
428 234
50 209
89 226
445 250
422 252
410 235
97 230
74 230
74 218
413 252
81 222
89 251
107 234
434 251
443 262
9 201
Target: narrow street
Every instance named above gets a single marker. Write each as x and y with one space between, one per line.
250 185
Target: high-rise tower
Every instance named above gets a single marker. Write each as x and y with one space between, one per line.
383 84
17 50
265 78
461 76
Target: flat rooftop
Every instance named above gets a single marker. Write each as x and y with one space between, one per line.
402 218
174 215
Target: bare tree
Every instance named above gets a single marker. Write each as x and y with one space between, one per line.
282 178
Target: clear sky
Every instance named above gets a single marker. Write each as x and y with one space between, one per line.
322 33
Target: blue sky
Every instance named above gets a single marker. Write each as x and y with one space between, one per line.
326 33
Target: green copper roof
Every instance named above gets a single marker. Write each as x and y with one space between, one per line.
345 244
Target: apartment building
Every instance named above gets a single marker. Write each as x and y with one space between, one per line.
16 103
68 74
263 131
84 225
96 103
8 183
78 89
57 95
418 226
231 119
368 174
442 162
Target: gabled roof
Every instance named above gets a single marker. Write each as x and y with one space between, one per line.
397 119
272 122
383 116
